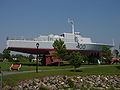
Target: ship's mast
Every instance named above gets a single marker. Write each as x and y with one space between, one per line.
113 42
73 25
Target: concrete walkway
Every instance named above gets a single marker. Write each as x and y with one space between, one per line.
7 73
12 72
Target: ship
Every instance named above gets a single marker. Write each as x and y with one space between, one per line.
43 45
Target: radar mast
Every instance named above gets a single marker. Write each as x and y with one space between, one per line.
70 21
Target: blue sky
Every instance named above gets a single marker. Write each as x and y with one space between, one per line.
98 19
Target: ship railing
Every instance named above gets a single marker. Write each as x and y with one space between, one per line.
8 38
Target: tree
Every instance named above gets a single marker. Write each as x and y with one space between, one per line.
75 59
106 54
6 54
1 57
60 49
116 53
21 58
31 57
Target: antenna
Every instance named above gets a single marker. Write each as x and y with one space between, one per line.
70 21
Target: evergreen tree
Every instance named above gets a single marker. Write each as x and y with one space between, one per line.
106 54
60 49
6 55
75 59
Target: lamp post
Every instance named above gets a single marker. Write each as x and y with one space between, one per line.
37 45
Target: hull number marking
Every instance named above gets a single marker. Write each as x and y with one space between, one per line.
81 46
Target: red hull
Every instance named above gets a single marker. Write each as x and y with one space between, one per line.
49 60
43 50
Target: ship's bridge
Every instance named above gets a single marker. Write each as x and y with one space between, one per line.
50 37
66 37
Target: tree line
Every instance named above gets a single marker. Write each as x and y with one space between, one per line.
75 58
6 56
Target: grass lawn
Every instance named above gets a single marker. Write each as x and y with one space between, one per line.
5 66
52 71
26 67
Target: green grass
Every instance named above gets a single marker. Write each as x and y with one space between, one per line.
105 70
6 65
29 68
108 70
